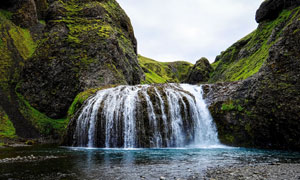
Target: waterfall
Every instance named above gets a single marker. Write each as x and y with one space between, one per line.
145 116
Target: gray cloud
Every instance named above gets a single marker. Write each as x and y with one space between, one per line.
169 30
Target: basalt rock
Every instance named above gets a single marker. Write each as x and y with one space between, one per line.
86 44
200 72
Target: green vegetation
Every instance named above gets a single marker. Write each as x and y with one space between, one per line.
42 22
13 40
230 106
23 41
7 129
44 124
164 72
103 32
81 97
6 14
246 57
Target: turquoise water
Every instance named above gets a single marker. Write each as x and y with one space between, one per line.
84 163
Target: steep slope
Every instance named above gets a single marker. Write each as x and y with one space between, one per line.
16 46
52 50
263 110
86 44
164 72
245 57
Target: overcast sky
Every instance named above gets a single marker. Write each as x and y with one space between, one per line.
169 30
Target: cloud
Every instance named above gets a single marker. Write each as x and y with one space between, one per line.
169 30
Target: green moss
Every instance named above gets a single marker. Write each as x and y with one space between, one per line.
248 128
6 14
231 66
13 40
7 129
44 124
81 97
228 107
72 39
164 72
23 41
232 106
229 138
42 22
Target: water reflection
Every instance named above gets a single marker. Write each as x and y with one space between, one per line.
82 163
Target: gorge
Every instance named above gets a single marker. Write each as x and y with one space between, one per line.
79 99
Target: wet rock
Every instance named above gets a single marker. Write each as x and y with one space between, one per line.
30 158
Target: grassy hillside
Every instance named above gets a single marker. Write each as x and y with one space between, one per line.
245 57
164 72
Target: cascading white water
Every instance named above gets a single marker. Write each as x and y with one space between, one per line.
171 115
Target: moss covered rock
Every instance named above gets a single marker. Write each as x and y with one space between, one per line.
245 57
264 111
16 46
200 72
86 44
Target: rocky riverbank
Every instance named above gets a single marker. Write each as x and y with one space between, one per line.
272 171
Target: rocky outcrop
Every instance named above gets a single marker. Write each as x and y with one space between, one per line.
270 9
263 111
200 72
86 44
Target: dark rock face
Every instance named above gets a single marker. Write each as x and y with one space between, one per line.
270 9
200 72
264 110
41 8
86 44
25 14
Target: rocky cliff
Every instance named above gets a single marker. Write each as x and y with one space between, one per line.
245 57
85 44
53 50
263 110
